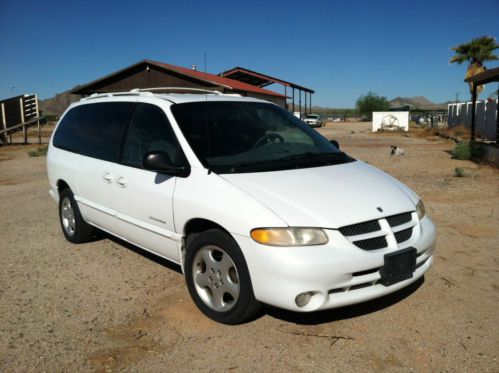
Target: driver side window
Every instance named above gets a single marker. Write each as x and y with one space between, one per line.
281 127
149 130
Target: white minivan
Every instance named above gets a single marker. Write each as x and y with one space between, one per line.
254 205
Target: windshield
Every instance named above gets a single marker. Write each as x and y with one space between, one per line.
235 137
311 116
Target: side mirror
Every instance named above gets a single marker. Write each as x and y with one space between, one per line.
335 143
159 161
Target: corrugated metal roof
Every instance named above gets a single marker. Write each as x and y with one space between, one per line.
259 79
216 79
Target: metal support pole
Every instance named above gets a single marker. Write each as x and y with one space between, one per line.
293 100
299 100
285 98
310 102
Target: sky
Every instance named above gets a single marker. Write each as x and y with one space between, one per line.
341 49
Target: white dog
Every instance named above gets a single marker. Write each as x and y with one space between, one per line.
396 150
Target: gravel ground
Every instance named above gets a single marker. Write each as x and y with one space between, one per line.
108 306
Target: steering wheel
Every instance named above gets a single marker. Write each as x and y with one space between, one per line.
270 138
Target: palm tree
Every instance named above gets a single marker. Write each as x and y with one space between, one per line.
476 52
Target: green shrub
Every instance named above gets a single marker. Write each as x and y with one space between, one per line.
459 172
465 151
462 151
40 152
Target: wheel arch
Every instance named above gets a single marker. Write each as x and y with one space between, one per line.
192 228
62 185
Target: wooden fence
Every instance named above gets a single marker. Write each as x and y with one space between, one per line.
18 114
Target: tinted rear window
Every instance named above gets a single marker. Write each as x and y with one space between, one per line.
94 130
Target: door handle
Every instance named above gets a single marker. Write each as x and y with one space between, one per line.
122 181
107 177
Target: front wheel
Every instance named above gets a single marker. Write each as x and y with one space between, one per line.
218 278
75 229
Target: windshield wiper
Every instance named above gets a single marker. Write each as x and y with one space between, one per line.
239 165
301 159
312 155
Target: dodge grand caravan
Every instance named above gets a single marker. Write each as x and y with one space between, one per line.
254 205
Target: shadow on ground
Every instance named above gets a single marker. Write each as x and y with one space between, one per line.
308 318
146 254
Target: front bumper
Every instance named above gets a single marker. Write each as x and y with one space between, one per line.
339 273
313 124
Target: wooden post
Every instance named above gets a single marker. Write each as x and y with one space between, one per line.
473 104
38 121
4 125
25 129
497 123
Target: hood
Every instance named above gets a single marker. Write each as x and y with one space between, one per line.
328 197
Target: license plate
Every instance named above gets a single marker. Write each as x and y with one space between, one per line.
399 266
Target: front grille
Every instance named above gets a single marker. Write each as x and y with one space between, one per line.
404 235
366 272
361 228
374 243
373 228
399 219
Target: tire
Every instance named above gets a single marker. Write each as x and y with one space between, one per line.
75 229
218 278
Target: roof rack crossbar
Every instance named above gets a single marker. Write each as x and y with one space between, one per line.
173 89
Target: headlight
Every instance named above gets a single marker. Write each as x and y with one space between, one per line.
420 209
289 236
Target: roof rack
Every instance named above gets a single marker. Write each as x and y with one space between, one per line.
147 92
174 89
114 94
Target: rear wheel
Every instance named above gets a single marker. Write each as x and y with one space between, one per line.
75 229
218 279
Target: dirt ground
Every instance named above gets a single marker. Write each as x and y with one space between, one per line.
108 306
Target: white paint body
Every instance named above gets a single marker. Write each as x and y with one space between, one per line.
328 197
391 120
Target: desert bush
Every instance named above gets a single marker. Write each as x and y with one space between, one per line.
459 172
40 152
465 151
462 151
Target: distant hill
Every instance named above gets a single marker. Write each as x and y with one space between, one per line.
57 104
418 102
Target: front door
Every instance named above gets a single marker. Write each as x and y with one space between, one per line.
144 199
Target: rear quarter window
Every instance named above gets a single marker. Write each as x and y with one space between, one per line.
94 130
